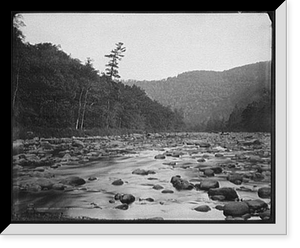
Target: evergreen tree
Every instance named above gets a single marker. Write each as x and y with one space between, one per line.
115 56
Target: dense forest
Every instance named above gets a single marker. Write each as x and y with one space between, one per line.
54 94
238 99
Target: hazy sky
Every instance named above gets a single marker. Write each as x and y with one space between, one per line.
158 45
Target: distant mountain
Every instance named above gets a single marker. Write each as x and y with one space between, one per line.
209 97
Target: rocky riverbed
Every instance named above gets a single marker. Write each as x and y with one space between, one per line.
168 176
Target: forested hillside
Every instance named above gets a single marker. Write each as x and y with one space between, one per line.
207 99
53 93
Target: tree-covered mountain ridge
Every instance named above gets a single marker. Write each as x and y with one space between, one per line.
54 94
209 97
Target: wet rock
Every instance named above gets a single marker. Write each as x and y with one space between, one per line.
220 207
181 184
167 191
257 176
245 189
152 178
73 181
143 172
229 193
215 169
201 160
34 188
127 198
77 143
122 206
254 159
202 208
170 163
209 173
40 169
55 166
58 186
149 199
266 215
118 182
92 178
246 216
46 145
235 209
160 156
118 196
219 155
235 178
218 197
157 187
207 184
264 192
256 205
203 144
249 142
44 183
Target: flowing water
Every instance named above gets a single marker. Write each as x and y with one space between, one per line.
95 198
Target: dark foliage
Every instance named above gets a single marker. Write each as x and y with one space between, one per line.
52 91
208 99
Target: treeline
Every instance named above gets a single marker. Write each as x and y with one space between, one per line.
51 90
256 117
209 98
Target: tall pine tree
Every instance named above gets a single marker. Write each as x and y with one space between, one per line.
115 56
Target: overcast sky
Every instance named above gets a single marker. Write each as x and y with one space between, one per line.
158 45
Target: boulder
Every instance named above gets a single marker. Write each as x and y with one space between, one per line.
257 176
264 192
55 166
92 178
167 191
117 196
160 156
34 188
143 172
46 145
209 173
249 142
207 184
58 186
73 181
203 144
256 205
266 215
236 209
202 208
181 184
122 206
117 182
218 197
127 198
219 155
44 183
215 169
157 187
40 169
228 193
220 207
235 178
77 143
